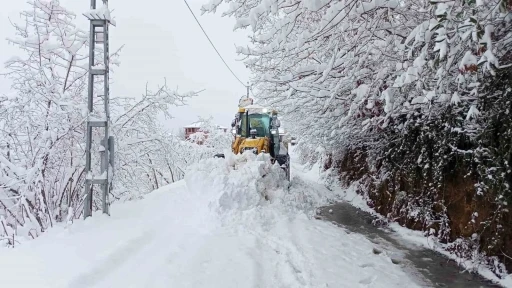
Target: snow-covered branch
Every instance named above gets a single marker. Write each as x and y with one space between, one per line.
42 125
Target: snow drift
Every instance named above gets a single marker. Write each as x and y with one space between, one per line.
238 182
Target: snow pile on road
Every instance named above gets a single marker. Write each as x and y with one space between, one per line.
250 182
239 182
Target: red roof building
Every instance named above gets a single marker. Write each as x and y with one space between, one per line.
195 127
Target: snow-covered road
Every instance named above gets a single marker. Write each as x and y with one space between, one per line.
210 230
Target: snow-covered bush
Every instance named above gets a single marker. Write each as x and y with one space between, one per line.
40 120
147 154
410 96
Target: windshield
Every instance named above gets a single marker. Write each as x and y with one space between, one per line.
260 122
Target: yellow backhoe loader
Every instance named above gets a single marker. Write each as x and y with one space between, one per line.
257 129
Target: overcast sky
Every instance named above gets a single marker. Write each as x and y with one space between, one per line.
161 40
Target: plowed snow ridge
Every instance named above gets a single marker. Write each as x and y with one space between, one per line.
214 229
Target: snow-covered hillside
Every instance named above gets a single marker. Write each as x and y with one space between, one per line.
213 229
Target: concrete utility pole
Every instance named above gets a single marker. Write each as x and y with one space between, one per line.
99 24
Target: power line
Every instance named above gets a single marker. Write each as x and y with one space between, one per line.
252 92
213 45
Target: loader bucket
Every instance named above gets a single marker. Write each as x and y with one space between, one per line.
284 162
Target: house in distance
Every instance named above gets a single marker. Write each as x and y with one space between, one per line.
195 127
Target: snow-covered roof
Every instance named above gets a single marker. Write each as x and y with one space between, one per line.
254 106
256 109
199 124
194 125
245 102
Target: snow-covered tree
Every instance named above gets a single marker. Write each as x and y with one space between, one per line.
42 125
41 133
141 139
323 63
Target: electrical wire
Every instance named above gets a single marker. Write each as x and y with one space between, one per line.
213 45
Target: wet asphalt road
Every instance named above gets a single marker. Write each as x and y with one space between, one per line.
429 267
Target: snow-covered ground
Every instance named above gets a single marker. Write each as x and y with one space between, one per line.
211 230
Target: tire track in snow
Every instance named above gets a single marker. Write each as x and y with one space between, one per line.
259 271
154 252
113 261
289 261
307 271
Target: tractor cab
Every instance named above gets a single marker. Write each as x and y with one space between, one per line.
252 127
256 129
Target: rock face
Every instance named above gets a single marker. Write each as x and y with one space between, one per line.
450 209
